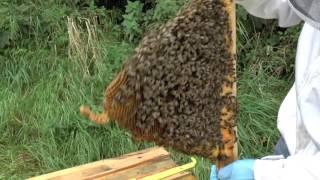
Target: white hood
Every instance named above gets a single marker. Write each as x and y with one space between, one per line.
308 10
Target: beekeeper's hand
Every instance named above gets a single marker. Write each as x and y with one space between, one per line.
238 170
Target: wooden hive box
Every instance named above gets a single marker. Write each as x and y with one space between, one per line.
135 165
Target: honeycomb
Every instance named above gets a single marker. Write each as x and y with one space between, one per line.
178 89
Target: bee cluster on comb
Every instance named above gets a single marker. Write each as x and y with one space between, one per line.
177 89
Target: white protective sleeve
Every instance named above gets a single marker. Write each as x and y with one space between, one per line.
271 9
303 120
299 117
294 167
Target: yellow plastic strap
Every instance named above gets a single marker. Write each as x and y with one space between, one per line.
172 171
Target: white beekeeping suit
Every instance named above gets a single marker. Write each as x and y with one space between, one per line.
299 114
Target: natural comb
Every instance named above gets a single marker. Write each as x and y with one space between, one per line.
179 88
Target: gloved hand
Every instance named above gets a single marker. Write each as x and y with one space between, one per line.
238 170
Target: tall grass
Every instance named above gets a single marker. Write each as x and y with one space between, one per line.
56 56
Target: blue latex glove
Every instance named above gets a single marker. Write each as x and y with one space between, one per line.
238 170
214 173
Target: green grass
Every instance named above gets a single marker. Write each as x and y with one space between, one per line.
42 85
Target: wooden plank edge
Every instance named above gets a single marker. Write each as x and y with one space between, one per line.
121 162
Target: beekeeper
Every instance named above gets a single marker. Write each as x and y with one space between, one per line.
299 114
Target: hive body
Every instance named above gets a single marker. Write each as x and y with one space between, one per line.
178 89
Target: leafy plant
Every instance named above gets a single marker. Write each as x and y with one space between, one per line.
132 20
165 9
136 22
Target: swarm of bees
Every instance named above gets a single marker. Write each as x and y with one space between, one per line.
172 91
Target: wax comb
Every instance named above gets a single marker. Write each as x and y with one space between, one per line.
179 87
